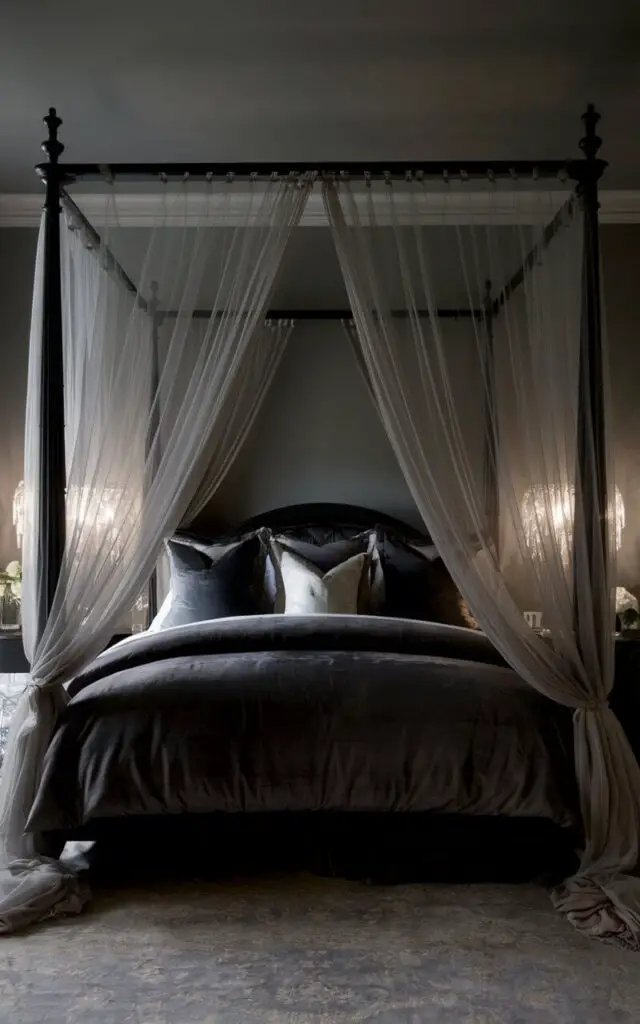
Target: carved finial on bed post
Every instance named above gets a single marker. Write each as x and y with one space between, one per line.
588 172
590 143
52 145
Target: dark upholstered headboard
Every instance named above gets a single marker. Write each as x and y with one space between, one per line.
332 517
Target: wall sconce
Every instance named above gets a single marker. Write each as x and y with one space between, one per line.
548 512
81 504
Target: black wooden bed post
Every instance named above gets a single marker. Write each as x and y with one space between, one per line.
50 510
491 493
592 500
156 319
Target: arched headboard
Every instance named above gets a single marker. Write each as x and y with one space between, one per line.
334 518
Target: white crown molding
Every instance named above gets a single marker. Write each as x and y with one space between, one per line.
142 210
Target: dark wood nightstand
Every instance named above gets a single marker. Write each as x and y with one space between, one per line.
12 658
625 696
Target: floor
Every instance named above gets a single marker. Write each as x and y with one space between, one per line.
307 950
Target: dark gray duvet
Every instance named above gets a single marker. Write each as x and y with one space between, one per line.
273 713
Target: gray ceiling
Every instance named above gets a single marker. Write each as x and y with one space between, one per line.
336 79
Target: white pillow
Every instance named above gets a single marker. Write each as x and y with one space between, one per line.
309 591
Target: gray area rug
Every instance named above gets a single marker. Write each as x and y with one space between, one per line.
306 950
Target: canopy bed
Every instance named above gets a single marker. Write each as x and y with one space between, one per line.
306 670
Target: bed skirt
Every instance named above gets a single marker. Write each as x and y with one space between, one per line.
382 848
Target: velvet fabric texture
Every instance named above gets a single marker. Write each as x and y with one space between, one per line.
418 585
306 713
215 582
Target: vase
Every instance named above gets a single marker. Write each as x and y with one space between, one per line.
140 613
9 610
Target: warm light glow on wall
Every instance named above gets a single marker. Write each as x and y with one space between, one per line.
547 512
82 505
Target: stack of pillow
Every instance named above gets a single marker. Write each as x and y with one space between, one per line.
372 573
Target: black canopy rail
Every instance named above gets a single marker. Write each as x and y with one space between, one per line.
328 314
95 241
394 170
152 307
113 264
591 492
533 256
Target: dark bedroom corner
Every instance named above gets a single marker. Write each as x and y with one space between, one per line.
319 514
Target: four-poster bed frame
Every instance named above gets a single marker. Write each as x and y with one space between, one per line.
262 700
586 172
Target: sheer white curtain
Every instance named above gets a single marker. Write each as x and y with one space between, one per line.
135 460
254 380
429 377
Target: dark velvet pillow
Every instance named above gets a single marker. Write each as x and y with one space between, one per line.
419 586
326 556
215 582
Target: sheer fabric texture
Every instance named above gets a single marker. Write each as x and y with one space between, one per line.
493 396
147 419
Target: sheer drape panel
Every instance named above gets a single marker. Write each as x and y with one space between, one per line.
32 459
24 743
254 380
391 258
135 458
351 334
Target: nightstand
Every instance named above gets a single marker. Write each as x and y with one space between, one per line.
12 657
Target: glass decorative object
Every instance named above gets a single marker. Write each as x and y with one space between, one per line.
9 610
140 613
547 512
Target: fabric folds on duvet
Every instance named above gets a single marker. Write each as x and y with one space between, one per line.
285 713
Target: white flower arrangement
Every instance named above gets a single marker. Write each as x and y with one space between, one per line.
627 609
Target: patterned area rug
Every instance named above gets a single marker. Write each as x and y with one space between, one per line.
306 950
